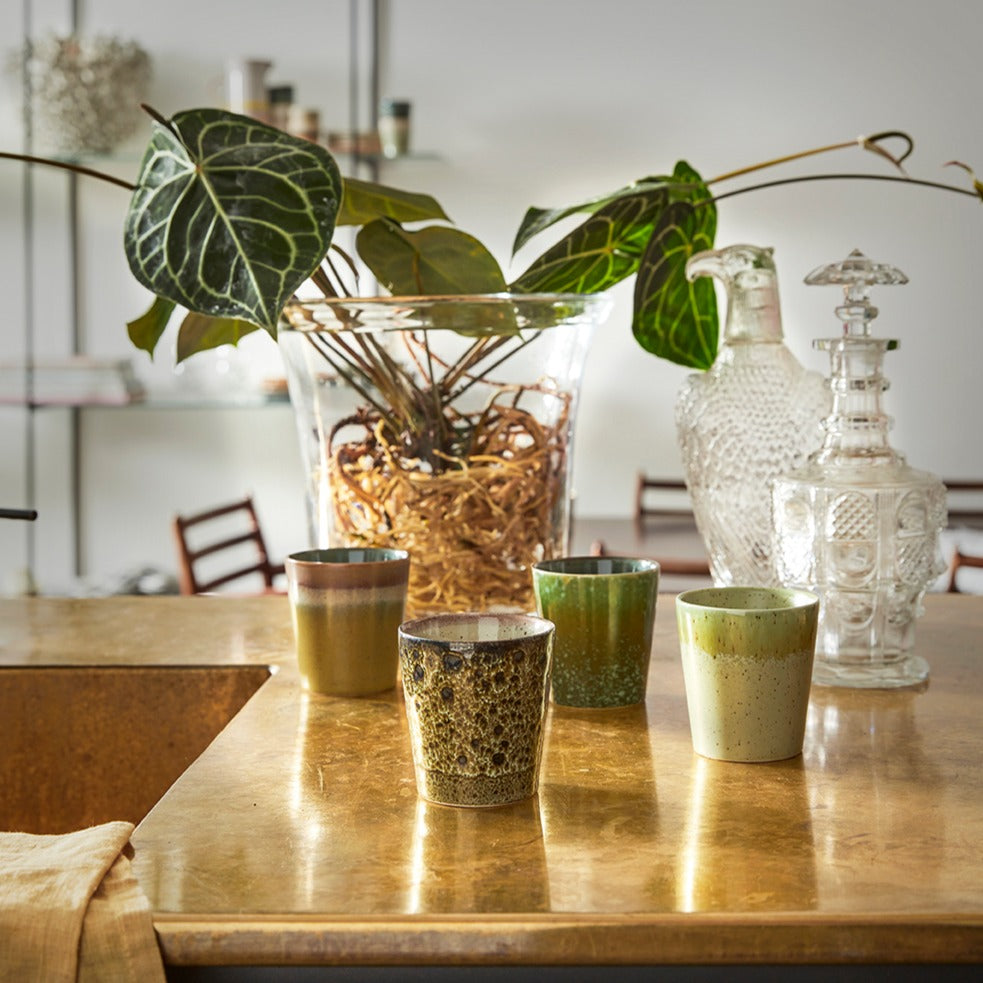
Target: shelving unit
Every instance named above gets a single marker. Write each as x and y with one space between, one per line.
363 99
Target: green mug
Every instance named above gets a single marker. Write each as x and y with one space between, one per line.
747 657
604 611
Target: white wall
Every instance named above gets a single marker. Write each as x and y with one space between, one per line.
538 102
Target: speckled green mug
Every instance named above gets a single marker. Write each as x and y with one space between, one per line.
747 664
475 687
604 611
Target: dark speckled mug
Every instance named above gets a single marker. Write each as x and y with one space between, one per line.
604 612
476 687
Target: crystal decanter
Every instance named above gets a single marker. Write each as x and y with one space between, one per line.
754 415
856 524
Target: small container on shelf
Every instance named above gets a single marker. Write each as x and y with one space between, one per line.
394 127
281 98
303 122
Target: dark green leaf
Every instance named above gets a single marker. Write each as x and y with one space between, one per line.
686 184
436 260
602 251
674 318
199 332
145 331
364 202
230 216
536 220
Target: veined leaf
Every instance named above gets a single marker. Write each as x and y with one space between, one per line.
145 331
686 184
230 216
537 220
435 260
198 333
602 251
674 318
364 202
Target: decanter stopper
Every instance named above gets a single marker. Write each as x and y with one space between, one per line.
856 524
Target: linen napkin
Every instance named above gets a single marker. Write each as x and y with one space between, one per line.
71 909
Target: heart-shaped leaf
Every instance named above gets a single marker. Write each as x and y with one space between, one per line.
230 216
433 261
601 251
674 318
537 220
145 331
198 333
365 202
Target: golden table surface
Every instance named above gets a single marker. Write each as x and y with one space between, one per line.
298 837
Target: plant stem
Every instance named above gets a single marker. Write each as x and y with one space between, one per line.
780 160
867 143
840 177
68 166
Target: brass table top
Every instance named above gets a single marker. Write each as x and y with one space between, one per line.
298 836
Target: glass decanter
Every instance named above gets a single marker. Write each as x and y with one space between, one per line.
856 524
753 416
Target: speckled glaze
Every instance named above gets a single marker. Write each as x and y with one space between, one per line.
747 657
346 606
604 612
475 688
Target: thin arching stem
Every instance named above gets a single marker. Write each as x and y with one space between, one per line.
68 166
871 143
843 177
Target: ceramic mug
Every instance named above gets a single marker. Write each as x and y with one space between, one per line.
604 612
475 688
346 606
747 665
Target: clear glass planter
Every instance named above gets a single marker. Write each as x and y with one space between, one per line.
457 442
856 523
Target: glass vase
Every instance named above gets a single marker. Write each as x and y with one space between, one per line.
754 415
856 523
443 426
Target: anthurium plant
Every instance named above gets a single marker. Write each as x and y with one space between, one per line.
229 217
232 226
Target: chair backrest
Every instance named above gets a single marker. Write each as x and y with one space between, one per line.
965 502
960 559
221 545
678 566
674 492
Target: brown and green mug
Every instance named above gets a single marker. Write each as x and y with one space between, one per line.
347 605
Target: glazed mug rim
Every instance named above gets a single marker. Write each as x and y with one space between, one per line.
634 566
341 555
793 599
410 630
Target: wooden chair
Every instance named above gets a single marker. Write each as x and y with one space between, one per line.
960 559
965 502
230 533
678 566
672 489
964 511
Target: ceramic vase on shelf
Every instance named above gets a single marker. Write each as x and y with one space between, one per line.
754 415
856 523
443 426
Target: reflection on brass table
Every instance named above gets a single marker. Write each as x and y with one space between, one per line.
297 836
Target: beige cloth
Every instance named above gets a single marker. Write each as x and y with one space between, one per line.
71 909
